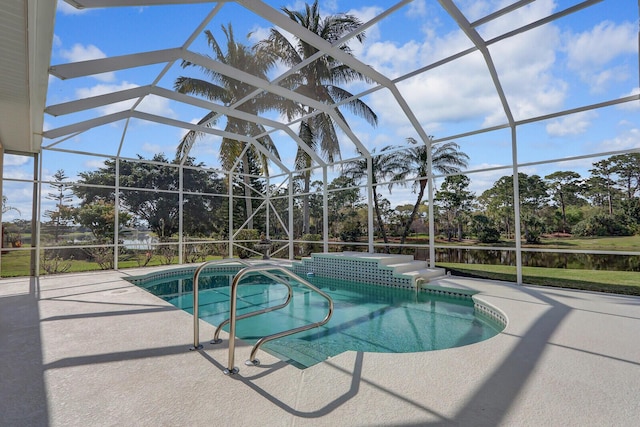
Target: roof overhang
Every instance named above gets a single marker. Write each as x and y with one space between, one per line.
26 37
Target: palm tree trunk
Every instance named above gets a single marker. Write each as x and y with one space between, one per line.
564 214
380 223
414 212
305 203
247 191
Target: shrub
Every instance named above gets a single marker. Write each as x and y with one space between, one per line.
247 234
52 263
602 225
308 248
484 229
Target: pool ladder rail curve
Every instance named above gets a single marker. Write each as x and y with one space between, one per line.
233 318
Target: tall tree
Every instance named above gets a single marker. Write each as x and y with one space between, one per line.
344 200
603 171
446 158
564 187
143 193
320 81
533 199
385 165
232 92
61 215
627 169
498 204
456 202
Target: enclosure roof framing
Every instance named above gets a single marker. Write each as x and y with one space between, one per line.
27 38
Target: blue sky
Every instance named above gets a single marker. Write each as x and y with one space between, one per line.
585 58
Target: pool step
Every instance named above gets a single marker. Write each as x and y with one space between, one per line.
427 273
401 271
382 259
408 266
303 352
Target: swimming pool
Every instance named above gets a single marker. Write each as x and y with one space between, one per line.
369 318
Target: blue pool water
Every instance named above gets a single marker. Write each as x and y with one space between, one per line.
366 317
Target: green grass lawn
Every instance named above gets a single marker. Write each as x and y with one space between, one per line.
16 263
621 243
620 282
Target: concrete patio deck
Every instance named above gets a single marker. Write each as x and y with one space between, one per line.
91 349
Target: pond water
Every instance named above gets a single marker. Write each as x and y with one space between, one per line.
540 259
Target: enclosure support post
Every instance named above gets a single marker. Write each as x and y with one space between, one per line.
325 211
516 204
432 228
230 181
371 202
291 227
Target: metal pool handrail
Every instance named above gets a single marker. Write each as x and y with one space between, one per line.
196 302
216 335
233 303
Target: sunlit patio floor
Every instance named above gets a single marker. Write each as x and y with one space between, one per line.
91 349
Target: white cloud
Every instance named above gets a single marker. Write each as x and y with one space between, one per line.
482 181
574 124
82 53
102 89
508 22
417 9
155 148
525 65
628 139
475 9
463 90
156 105
592 53
19 197
366 14
601 45
151 104
633 105
93 164
258 33
15 160
79 53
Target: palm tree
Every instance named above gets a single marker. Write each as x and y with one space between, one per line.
384 166
445 159
318 80
229 91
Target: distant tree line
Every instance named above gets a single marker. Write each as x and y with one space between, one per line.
147 192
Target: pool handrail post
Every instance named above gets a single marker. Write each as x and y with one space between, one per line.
232 327
196 302
196 311
232 315
216 336
261 341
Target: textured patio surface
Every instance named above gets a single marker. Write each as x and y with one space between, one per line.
93 350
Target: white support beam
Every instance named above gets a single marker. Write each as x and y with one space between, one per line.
85 125
91 4
114 63
97 101
475 38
